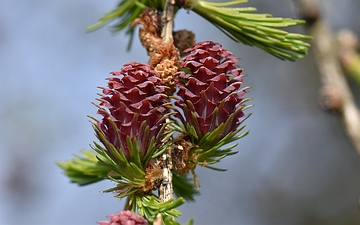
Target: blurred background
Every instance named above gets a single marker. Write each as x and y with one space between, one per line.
296 166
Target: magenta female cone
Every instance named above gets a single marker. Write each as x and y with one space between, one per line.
209 89
133 106
125 217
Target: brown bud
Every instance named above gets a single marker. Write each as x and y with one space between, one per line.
183 39
330 99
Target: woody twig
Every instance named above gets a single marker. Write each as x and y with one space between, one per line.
335 94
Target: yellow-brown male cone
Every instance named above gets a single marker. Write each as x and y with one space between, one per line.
149 33
164 57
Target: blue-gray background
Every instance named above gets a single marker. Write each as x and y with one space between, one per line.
295 167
